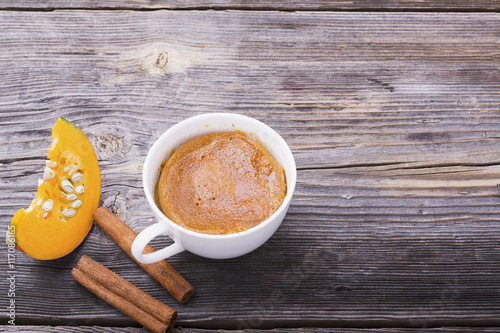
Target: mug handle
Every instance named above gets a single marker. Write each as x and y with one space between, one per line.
145 236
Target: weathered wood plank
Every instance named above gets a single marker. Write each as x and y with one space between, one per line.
436 5
393 119
101 329
363 247
77 329
419 90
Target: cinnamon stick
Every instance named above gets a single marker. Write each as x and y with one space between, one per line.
121 304
126 290
161 271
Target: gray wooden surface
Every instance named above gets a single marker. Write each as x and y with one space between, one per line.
292 5
393 119
95 329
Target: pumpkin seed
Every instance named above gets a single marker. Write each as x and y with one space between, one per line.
40 181
66 168
50 164
79 189
45 214
47 205
77 177
70 197
67 186
69 212
76 203
39 202
73 170
48 173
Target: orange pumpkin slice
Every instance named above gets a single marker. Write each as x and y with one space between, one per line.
60 216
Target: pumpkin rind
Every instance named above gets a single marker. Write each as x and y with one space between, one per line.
56 235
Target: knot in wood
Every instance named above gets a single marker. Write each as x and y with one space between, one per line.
117 204
109 145
162 60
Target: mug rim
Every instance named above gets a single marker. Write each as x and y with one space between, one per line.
290 188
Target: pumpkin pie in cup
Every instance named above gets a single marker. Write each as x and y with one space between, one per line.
219 185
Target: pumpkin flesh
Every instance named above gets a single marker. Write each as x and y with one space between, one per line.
50 234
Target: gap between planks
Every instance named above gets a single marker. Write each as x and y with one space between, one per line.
258 9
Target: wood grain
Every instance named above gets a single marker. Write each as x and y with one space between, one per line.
361 88
393 119
101 329
290 5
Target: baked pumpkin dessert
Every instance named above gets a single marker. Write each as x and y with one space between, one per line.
220 183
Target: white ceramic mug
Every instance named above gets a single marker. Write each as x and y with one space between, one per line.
205 245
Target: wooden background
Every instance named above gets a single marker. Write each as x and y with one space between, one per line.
393 116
